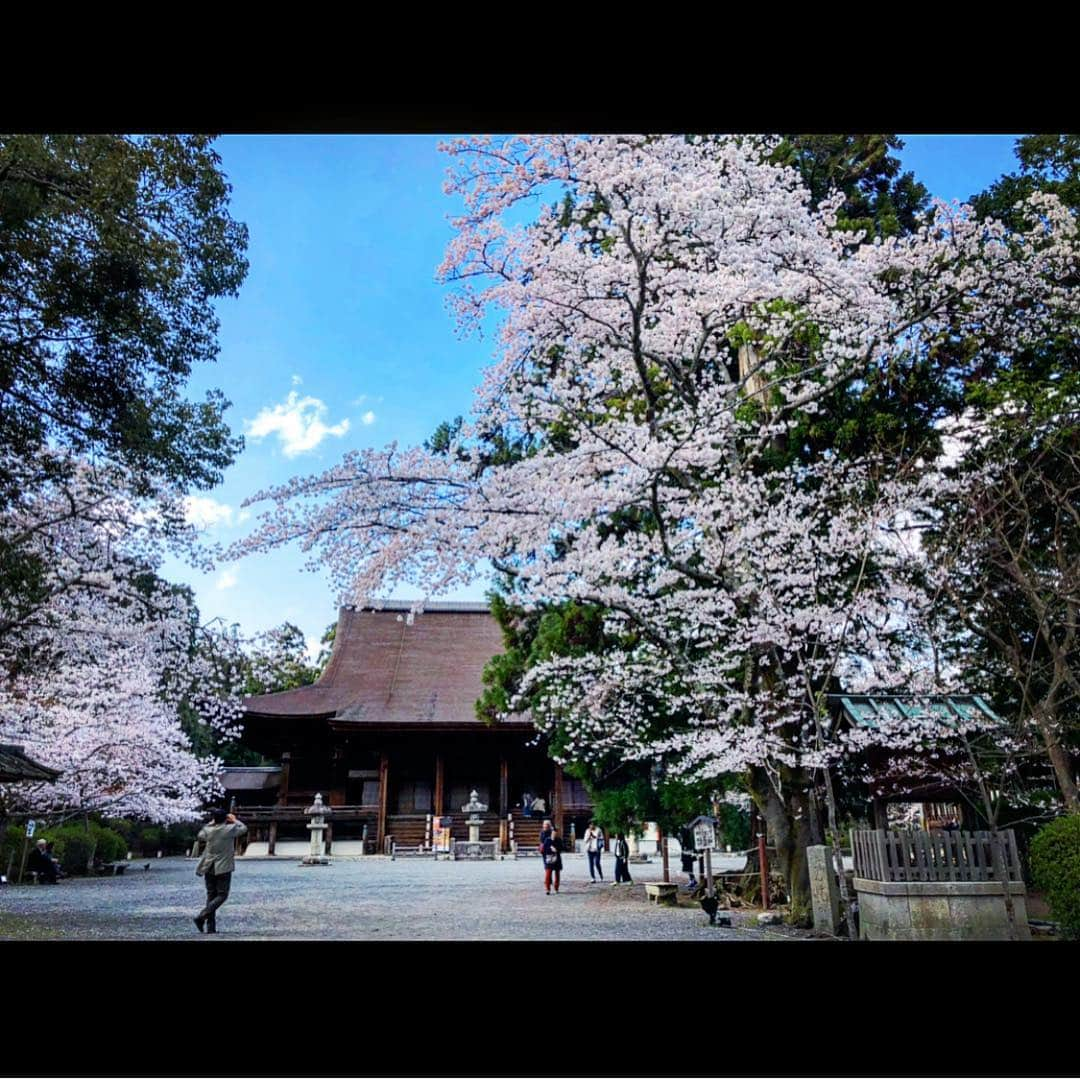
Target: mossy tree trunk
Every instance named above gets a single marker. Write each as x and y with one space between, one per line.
789 831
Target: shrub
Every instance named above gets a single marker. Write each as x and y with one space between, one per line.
1055 870
111 845
11 843
76 845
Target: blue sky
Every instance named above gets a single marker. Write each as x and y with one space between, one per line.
340 337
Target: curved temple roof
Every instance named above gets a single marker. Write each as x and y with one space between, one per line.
392 668
16 766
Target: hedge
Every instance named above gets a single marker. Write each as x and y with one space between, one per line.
1055 870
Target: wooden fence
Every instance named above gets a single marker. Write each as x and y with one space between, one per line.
933 855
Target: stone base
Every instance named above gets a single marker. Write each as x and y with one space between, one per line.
476 849
938 910
315 860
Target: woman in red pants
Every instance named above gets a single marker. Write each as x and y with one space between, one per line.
553 849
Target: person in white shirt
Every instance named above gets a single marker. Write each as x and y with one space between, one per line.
594 847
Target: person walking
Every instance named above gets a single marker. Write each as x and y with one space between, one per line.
526 804
594 847
553 849
216 865
622 861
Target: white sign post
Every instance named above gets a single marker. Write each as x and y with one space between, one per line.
705 840
704 836
30 826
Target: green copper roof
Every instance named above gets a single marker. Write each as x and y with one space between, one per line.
867 709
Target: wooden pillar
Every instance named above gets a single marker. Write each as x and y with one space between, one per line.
384 778
286 766
336 795
504 787
440 785
556 810
329 836
283 795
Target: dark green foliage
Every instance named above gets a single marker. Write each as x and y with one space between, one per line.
144 838
150 840
878 197
624 793
112 250
11 844
279 662
1055 870
326 643
78 845
444 434
1047 163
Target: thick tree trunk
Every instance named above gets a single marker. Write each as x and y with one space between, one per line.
1059 759
788 824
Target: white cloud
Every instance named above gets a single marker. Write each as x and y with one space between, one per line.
204 512
226 581
298 423
244 515
368 418
296 380
313 646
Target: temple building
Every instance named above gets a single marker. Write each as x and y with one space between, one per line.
389 736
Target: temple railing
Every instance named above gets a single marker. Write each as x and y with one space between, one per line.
260 815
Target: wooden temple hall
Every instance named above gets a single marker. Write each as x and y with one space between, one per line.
390 737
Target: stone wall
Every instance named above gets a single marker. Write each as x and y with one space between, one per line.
938 910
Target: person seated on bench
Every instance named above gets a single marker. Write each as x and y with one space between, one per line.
40 864
50 845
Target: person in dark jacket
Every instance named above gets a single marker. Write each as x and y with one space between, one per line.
688 867
553 849
622 861
40 864
686 842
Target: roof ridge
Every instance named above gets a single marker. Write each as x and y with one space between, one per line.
428 605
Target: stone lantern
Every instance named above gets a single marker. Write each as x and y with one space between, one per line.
318 814
474 807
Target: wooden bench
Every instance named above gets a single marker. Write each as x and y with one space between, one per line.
662 892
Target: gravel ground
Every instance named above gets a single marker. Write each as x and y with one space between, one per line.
366 899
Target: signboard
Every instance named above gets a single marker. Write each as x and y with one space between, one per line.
440 839
704 836
30 826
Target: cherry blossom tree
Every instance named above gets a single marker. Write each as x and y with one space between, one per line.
671 328
100 668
